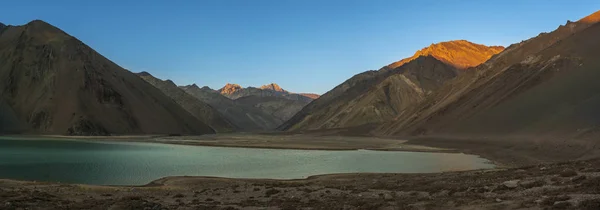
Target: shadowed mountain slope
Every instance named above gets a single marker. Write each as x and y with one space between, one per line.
245 117
377 96
9 121
58 85
280 108
543 89
196 107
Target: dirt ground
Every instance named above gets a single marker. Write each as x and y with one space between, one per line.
571 185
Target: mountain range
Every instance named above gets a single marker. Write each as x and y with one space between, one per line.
55 84
199 109
542 89
539 96
378 96
252 109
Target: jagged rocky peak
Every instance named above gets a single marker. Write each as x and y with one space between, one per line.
461 54
230 88
272 86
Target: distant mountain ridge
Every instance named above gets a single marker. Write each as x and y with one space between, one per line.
251 108
274 87
194 106
235 91
229 89
310 95
245 117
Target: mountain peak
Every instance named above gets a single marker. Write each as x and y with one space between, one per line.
44 32
230 88
42 25
205 88
171 82
272 86
144 74
461 54
38 22
593 18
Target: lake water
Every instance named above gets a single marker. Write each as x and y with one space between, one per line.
112 163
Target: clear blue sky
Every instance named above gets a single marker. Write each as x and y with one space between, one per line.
303 45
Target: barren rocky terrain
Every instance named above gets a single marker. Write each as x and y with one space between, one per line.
571 185
199 109
379 96
55 84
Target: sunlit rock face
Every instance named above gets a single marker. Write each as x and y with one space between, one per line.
274 87
229 89
461 54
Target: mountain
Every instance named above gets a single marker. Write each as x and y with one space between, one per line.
543 91
234 91
251 108
378 96
58 85
245 117
229 89
461 54
2 26
9 121
280 108
196 107
273 87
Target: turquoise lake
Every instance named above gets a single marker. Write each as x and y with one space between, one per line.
117 163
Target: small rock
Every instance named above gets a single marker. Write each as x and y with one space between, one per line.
459 194
561 205
543 168
568 173
531 183
388 197
498 200
424 194
512 184
590 170
442 193
578 178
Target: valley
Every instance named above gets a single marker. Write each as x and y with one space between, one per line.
457 125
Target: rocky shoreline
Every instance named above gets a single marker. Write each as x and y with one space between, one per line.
568 185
